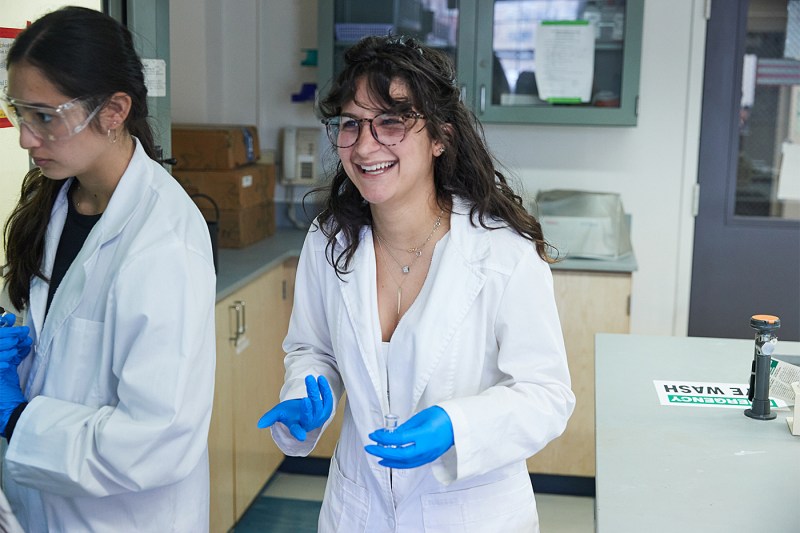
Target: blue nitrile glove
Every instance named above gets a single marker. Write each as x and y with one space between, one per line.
303 414
425 437
10 394
15 343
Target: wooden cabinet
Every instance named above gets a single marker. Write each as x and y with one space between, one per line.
588 303
251 325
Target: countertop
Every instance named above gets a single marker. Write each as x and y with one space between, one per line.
668 468
240 266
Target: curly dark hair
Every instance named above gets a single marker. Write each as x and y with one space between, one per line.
466 169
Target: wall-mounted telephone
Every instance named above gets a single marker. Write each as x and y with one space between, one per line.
300 155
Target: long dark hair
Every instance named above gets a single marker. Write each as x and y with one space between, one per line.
465 169
84 54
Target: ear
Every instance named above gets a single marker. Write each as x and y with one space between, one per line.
115 111
440 145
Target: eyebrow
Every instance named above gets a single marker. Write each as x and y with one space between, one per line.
13 101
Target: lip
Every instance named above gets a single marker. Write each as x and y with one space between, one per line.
40 161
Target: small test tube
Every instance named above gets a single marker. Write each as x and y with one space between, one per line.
390 424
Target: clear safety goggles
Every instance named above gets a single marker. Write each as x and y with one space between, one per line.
45 122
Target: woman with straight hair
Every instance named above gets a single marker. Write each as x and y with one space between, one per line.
110 264
423 291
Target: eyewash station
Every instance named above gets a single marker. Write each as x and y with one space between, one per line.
698 434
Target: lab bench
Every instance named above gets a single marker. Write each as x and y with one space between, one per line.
255 287
665 468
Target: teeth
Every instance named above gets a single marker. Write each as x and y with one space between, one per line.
377 166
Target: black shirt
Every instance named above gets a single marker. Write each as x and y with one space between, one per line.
76 229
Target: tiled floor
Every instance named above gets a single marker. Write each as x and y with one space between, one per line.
290 504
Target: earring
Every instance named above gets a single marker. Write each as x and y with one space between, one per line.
441 150
113 139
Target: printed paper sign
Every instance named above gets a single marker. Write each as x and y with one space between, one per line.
705 394
155 76
7 36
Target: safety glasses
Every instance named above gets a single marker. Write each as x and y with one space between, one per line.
388 129
48 123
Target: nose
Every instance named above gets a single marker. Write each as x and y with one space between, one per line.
27 139
366 141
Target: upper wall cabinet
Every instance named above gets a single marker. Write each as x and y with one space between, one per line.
518 61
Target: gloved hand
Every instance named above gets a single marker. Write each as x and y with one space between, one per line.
425 437
303 414
15 343
10 395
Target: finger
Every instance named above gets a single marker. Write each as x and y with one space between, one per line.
327 397
267 419
276 414
8 319
390 438
306 415
312 389
297 432
15 331
400 454
8 342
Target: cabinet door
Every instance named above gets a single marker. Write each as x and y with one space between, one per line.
255 384
341 23
506 88
588 303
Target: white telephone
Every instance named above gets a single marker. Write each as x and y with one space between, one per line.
300 156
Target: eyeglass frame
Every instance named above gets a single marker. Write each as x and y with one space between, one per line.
411 114
17 121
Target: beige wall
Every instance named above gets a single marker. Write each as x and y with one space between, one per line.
14 161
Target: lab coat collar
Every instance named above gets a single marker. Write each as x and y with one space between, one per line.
130 190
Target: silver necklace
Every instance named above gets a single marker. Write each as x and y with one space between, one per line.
405 269
415 251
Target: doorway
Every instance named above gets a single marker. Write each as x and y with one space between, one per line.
747 232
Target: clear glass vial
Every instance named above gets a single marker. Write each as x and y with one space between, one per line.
390 422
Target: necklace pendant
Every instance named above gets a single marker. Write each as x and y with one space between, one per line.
406 269
418 252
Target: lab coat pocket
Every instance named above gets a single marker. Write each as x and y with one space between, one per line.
346 504
507 505
77 353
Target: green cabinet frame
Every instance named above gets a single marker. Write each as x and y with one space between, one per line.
474 61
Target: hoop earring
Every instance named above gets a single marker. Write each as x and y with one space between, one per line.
113 139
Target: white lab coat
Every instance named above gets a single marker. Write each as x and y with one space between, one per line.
120 381
482 340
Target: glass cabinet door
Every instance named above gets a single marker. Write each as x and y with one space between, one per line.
343 22
594 44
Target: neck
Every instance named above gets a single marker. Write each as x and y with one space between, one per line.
98 184
406 227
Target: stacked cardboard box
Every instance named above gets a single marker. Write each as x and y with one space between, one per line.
220 161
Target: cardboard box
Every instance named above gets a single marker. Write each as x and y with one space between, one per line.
242 227
231 189
214 146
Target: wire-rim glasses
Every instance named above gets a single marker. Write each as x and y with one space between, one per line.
388 129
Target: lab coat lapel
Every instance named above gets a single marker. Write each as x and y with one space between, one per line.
455 284
358 289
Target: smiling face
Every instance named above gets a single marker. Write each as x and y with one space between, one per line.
388 175
59 159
